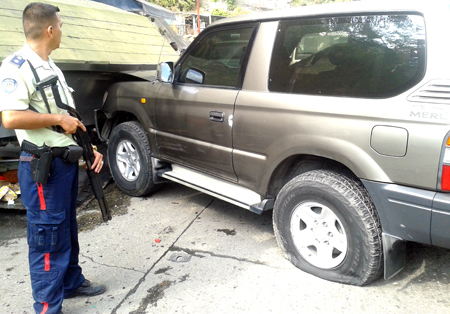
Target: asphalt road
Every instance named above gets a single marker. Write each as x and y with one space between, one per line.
180 251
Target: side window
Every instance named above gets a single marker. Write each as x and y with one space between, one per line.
358 56
217 58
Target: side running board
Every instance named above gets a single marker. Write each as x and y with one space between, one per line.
221 189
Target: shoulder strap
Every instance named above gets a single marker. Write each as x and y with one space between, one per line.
57 97
36 76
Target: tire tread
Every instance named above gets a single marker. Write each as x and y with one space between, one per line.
147 186
357 195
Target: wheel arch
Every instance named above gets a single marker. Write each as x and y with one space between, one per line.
298 164
114 119
128 101
322 152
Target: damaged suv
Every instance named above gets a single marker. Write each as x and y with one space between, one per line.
334 116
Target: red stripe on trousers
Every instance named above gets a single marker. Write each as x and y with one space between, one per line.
44 310
47 262
41 196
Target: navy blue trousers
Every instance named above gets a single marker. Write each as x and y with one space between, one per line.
52 234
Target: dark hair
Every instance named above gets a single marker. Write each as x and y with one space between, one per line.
37 17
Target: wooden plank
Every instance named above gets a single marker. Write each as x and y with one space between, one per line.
10 40
93 27
115 57
82 31
11 24
106 46
11 32
15 4
11 13
112 17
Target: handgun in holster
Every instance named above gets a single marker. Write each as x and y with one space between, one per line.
41 161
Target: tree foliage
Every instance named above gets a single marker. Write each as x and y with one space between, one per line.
176 5
237 11
299 3
233 10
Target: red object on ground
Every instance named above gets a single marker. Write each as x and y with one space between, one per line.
10 176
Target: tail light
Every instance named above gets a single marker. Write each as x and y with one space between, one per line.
445 171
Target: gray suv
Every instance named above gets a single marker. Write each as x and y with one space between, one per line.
334 116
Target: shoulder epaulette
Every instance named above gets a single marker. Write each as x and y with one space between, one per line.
17 60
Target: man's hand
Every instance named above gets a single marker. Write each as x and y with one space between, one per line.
70 124
97 165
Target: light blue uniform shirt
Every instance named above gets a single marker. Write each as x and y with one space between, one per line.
18 92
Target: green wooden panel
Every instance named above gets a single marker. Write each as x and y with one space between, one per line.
124 35
120 58
6 40
79 44
15 4
11 24
11 13
92 33
11 32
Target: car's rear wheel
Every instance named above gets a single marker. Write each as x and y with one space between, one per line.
129 159
327 225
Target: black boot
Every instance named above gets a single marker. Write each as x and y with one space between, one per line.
87 290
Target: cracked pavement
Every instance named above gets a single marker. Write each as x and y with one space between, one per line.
181 251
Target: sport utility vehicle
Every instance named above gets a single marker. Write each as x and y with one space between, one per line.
334 116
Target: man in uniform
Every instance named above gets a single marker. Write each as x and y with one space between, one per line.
51 206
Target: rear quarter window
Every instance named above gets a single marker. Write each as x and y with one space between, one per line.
372 56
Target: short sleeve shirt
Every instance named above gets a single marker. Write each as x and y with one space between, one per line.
18 92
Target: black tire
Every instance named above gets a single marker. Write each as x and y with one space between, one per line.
129 159
327 226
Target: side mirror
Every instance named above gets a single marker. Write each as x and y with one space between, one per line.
164 72
195 76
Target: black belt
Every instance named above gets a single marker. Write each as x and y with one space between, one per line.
56 152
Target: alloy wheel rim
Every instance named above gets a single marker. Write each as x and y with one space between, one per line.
128 161
318 235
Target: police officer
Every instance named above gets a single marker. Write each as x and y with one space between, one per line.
51 207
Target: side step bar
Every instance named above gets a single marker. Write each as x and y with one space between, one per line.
223 190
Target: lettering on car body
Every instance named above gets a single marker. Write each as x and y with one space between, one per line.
431 113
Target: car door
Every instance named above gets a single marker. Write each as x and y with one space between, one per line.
194 115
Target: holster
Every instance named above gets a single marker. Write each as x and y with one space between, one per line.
40 167
72 154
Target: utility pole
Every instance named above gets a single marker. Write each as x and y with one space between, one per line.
198 16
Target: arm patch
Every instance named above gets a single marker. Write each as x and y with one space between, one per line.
17 60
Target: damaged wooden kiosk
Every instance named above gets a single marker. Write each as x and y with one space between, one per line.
101 45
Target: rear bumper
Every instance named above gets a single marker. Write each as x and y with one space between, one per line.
412 214
409 214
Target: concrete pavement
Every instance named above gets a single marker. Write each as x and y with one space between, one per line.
213 257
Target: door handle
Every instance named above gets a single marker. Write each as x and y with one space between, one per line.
216 116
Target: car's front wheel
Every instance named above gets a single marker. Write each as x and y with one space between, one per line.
129 159
327 225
